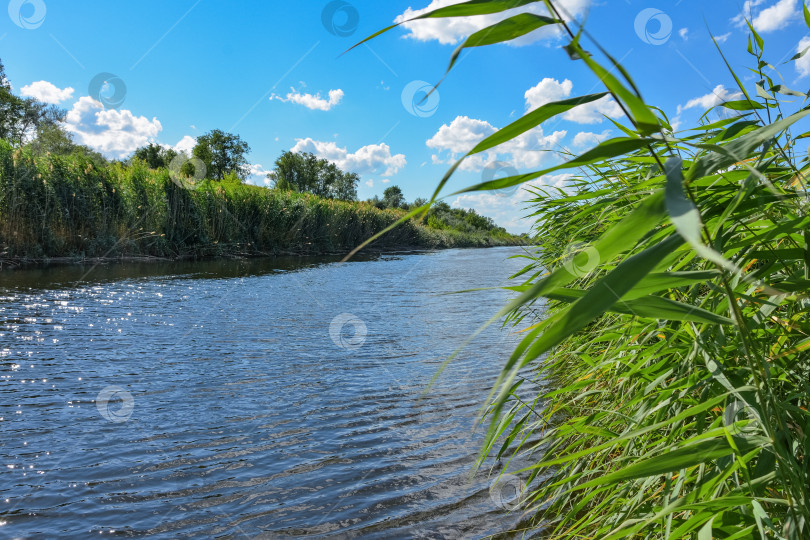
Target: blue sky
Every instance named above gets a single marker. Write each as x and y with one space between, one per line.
273 72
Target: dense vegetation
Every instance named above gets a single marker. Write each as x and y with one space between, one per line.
69 206
305 173
61 199
664 316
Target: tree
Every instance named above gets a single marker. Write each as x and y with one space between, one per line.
306 173
21 117
52 139
155 156
222 153
393 198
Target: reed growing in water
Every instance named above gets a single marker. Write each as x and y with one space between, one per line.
73 206
664 314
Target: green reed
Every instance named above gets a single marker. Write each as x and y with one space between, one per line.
663 314
68 206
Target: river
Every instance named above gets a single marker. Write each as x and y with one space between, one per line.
271 398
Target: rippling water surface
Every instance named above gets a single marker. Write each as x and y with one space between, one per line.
263 398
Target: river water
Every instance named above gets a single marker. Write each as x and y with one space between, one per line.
263 398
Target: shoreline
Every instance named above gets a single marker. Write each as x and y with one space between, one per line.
24 263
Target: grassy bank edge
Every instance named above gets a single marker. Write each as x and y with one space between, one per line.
70 209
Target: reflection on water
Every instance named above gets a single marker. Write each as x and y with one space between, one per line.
275 397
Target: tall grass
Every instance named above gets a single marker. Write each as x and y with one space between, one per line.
68 206
665 312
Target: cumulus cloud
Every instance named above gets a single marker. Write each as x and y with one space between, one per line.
803 63
684 33
461 134
717 96
451 30
509 211
370 159
594 112
773 17
587 138
747 12
528 150
114 133
546 91
312 101
47 92
549 90
185 145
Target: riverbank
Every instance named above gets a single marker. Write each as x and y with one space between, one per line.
68 209
46 262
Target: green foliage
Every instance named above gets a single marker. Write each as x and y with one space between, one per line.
21 117
393 197
37 126
155 156
305 173
69 206
222 153
52 139
441 216
664 320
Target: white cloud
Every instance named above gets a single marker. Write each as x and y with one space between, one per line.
684 33
47 92
114 133
509 210
531 149
723 37
803 63
528 150
586 138
257 175
185 145
451 30
549 90
774 17
312 101
746 12
594 112
546 91
717 96
461 135
370 159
